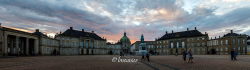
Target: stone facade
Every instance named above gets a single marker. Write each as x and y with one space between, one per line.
176 42
231 41
114 49
47 45
74 42
16 42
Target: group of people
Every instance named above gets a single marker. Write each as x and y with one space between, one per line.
188 55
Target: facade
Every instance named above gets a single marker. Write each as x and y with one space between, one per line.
231 41
113 49
47 45
74 42
176 42
17 43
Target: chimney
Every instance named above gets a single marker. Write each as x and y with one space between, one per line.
166 32
71 28
219 36
187 29
37 30
92 31
205 32
231 31
0 24
82 30
195 28
172 31
215 38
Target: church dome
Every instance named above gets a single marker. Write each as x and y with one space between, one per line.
125 39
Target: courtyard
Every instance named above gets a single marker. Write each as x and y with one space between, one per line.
104 62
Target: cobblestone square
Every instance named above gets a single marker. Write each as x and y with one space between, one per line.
104 62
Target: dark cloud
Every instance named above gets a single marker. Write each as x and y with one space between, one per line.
112 17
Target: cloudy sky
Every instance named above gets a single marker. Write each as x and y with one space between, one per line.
110 18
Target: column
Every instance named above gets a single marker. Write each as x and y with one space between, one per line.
17 49
36 45
27 46
5 44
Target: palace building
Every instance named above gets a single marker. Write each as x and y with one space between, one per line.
17 43
113 49
74 42
176 42
47 45
14 42
231 41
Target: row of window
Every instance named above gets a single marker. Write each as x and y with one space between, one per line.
225 42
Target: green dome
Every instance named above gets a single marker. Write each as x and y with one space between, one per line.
125 39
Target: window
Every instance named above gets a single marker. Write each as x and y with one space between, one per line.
183 44
177 44
238 41
226 42
221 42
172 45
233 41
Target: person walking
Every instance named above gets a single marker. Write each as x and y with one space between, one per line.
142 57
233 55
184 55
147 55
190 56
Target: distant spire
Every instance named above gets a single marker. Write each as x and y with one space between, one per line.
71 28
37 30
125 34
142 38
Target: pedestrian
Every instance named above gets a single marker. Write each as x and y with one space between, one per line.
190 56
147 55
142 58
233 55
184 55
121 54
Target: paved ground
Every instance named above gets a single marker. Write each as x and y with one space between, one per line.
104 62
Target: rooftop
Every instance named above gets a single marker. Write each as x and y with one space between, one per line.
75 33
183 34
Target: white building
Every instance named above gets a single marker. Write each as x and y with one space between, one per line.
114 49
74 42
47 45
